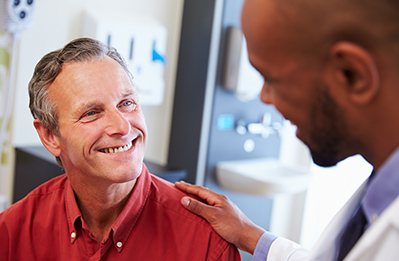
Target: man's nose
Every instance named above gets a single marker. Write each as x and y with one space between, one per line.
117 123
266 94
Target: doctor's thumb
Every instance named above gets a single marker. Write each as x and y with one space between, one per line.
194 206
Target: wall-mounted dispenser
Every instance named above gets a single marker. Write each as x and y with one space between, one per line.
141 40
239 76
16 15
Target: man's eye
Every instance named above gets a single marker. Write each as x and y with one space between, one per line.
127 103
90 113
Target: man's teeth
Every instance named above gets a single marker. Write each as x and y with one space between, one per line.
120 149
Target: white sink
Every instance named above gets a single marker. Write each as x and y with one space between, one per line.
262 177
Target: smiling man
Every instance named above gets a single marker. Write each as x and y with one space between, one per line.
107 206
331 68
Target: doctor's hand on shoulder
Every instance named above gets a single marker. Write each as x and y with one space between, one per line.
223 215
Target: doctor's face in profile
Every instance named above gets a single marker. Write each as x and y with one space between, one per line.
295 85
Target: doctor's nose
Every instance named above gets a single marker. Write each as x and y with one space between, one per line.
117 124
266 95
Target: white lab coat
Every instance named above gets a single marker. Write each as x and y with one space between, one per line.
379 243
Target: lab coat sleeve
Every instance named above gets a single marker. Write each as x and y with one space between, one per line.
283 249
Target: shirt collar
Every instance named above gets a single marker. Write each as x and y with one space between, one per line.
126 220
382 189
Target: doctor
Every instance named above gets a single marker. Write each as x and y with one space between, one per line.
332 69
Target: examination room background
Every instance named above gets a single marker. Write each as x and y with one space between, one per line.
193 101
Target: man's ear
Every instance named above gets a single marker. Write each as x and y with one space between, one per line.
354 68
48 138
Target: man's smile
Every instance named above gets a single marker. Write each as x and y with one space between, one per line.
117 149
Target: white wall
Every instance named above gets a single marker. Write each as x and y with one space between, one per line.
56 23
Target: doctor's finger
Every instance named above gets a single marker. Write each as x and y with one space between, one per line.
212 198
198 207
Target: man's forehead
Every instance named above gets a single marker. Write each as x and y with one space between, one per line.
86 79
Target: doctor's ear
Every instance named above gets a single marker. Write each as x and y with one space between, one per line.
48 138
354 69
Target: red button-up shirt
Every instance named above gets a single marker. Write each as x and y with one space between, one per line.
48 225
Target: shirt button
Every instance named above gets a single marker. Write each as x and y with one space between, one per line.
119 244
374 217
73 235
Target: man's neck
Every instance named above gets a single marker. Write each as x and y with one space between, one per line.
100 206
